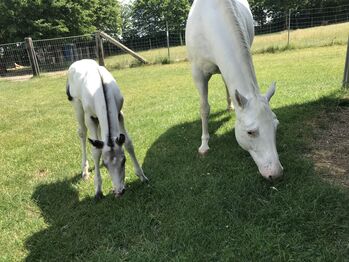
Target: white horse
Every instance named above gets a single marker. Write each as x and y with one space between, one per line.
219 35
97 101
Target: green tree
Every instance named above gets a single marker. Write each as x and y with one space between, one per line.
274 9
56 18
128 28
150 16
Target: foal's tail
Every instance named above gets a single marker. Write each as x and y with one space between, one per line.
70 98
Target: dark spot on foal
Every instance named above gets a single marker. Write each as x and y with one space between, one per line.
95 120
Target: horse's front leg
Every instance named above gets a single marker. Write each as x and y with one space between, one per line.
201 82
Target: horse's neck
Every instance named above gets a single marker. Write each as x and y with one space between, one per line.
237 69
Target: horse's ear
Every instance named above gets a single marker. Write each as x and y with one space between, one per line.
271 91
240 99
120 140
96 143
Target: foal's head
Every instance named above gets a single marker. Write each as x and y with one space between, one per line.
114 159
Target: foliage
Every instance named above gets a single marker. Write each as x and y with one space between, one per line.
48 19
151 16
273 9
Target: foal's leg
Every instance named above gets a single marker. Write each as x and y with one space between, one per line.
130 149
201 81
82 132
230 106
96 154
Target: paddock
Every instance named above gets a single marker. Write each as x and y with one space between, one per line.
194 208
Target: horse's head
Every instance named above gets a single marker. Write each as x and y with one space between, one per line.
255 131
114 160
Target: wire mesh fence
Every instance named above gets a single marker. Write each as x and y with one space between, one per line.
320 27
14 59
57 54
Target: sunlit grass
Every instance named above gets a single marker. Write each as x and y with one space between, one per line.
194 209
270 43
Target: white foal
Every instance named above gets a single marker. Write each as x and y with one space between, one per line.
97 101
219 35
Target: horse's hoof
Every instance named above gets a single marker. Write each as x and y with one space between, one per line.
99 196
203 151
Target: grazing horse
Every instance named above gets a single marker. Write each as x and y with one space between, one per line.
219 35
97 101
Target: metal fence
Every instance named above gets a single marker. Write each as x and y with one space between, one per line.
162 47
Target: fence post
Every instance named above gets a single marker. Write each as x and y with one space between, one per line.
346 69
100 50
32 57
121 46
289 27
168 42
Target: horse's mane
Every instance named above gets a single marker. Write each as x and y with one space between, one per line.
232 12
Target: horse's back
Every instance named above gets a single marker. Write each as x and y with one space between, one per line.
210 30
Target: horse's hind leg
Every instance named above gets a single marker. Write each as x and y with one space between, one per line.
201 82
82 132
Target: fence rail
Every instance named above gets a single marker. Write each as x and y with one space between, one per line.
161 47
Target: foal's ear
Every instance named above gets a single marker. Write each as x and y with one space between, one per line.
96 143
240 99
120 140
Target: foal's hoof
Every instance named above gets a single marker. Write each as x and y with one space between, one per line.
119 193
144 179
85 176
230 109
99 196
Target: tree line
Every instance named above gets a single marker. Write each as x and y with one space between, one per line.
59 18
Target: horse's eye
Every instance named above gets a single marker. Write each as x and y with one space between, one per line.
252 133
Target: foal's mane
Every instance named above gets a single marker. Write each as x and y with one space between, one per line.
104 87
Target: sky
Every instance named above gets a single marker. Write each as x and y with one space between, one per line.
125 1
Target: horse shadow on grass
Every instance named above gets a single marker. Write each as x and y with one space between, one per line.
202 208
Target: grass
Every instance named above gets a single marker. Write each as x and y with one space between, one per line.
303 38
216 208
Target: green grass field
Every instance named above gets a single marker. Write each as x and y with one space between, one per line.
304 38
216 208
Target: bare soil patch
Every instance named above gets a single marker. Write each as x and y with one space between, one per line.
28 77
330 144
